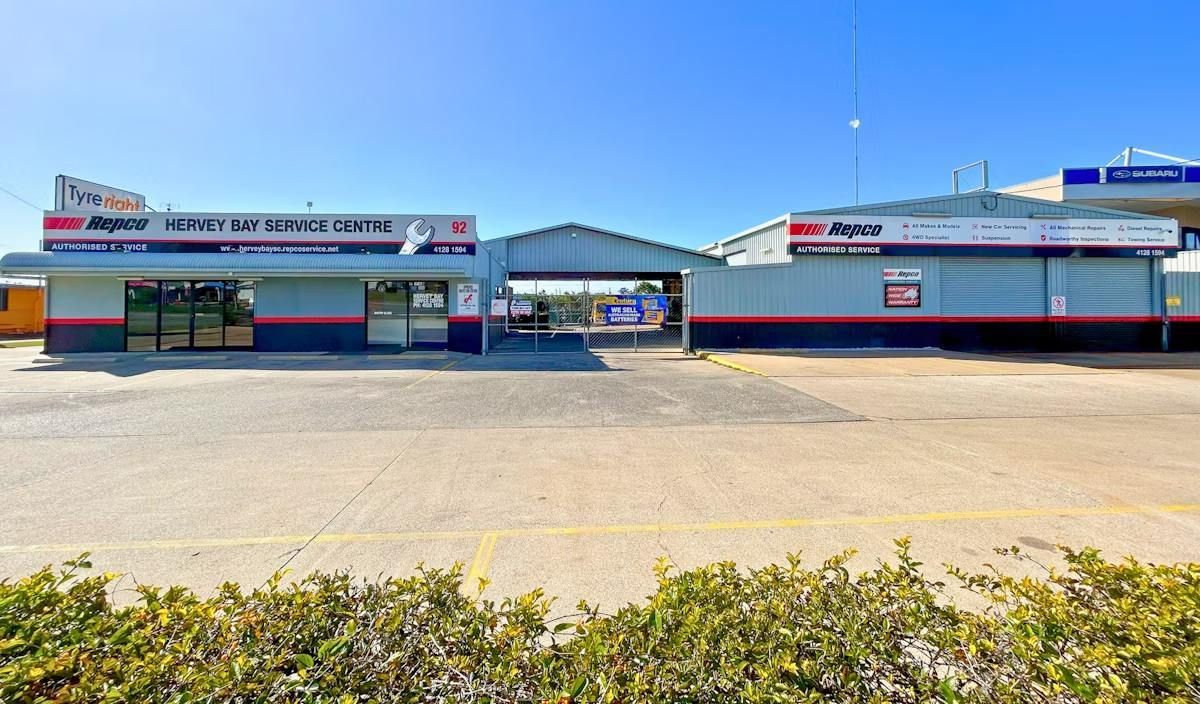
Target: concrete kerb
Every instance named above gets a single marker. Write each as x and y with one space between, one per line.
167 358
717 359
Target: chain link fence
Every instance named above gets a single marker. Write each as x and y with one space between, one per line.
555 316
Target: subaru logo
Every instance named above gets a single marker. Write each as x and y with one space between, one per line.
1121 173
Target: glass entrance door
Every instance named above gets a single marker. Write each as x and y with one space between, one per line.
408 313
387 313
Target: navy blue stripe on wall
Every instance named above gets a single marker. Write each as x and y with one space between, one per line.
821 335
465 334
1185 336
310 337
967 336
89 337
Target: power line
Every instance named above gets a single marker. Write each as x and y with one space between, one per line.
14 195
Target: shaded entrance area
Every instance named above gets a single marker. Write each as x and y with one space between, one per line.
588 314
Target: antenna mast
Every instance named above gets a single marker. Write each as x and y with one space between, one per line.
854 123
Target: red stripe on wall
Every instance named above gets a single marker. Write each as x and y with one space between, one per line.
466 318
85 321
815 318
299 319
1185 318
924 318
1112 318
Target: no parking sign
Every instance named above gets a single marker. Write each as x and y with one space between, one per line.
1058 306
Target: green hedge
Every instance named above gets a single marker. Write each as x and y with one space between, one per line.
1091 631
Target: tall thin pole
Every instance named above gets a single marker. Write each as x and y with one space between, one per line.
854 123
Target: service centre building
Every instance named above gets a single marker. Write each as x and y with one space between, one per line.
973 271
156 281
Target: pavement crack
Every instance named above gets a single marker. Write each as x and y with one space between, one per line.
296 553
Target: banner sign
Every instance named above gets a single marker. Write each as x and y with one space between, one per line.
468 299
72 193
902 295
500 307
634 309
898 235
259 233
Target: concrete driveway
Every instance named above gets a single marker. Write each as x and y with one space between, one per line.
576 471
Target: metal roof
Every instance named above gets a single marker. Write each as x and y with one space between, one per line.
159 265
602 231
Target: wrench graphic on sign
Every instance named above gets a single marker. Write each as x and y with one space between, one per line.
413 238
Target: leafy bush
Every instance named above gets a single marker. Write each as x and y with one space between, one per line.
1094 631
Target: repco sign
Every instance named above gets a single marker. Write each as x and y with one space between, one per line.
111 225
834 229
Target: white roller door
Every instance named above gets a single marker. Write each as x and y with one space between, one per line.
996 286
1115 286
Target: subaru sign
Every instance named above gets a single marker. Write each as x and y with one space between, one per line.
1142 174
1170 173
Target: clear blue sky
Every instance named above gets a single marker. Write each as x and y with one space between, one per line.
681 121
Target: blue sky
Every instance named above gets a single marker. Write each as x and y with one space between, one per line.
680 121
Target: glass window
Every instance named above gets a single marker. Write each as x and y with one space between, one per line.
239 314
429 311
141 316
208 313
175 319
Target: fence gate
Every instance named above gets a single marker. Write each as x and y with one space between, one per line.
586 315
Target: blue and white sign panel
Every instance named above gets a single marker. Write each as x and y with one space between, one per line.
1170 173
969 236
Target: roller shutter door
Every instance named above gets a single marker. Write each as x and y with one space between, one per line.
1109 286
983 286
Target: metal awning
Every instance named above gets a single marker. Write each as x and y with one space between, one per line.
166 266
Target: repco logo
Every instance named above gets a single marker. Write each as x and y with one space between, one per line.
111 225
835 229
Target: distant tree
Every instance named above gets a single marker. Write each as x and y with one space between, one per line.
647 287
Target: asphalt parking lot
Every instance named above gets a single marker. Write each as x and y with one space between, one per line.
577 471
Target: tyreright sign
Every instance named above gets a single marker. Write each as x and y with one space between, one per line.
967 236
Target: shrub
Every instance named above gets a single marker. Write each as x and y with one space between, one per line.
1094 631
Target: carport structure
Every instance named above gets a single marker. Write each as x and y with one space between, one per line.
574 287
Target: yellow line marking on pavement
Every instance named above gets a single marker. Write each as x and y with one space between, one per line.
726 363
435 372
713 526
482 560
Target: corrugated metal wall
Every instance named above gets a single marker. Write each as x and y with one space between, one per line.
589 251
993 286
816 286
1109 286
1183 280
768 245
